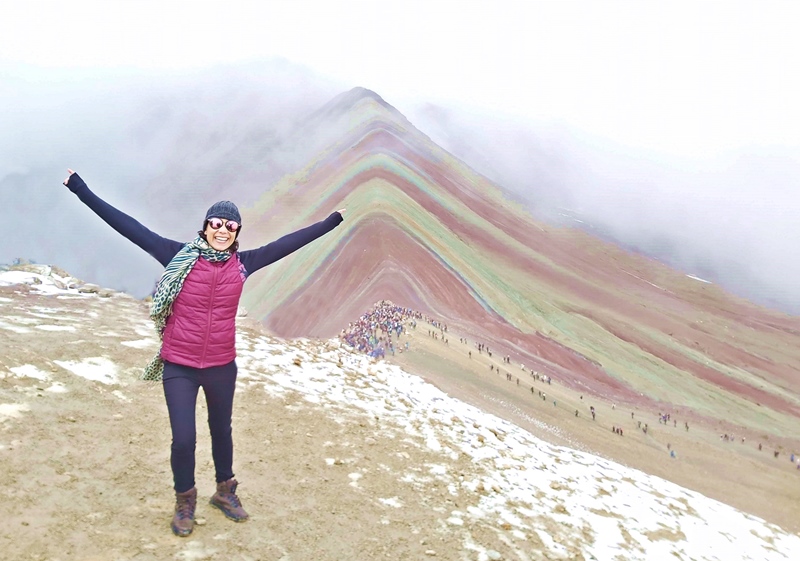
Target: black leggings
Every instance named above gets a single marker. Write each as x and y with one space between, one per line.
181 384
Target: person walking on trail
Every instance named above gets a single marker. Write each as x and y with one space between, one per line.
194 310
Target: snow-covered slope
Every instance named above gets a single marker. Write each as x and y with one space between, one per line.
484 488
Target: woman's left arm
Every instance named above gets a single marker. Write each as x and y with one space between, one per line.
255 259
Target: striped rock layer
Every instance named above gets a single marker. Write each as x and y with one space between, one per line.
425 231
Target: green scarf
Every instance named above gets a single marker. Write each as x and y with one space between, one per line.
168 289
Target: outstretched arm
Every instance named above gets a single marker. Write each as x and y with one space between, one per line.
162 249
255 259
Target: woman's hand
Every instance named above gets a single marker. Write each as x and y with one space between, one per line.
70 175
340 211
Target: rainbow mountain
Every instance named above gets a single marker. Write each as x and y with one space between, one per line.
425 231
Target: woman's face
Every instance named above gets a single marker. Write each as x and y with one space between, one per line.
221 233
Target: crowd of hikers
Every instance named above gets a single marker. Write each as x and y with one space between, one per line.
378 332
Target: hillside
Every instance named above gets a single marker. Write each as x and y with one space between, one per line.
340 457
427 232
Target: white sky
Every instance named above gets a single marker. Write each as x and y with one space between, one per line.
672 126
680 78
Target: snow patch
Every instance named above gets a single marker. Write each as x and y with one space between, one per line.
98 369
140 344
57 387
30 371
394 502
699 279
12 410
14 328
55 327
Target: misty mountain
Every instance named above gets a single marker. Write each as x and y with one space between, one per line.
428 232
728 219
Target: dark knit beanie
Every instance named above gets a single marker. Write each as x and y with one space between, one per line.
226 210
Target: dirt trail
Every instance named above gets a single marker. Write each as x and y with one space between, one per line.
730 471
87 474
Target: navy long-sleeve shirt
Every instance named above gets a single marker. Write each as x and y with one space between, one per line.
164 249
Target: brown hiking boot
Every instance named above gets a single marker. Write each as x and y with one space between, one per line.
183 521
226 500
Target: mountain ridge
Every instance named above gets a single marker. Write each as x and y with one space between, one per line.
594 315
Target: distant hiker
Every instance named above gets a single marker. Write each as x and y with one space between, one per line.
194 310
576 412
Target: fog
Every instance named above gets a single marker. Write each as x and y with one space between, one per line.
164 145
731 218
160 146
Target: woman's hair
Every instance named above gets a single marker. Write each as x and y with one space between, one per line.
234 246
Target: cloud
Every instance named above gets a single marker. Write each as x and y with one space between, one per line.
730 217
160 146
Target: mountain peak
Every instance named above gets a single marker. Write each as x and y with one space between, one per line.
350 99
358 93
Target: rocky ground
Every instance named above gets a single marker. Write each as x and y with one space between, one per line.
338 458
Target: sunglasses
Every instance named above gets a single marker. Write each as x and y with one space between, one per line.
217 223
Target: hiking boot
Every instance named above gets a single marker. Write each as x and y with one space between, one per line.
226 500
183 521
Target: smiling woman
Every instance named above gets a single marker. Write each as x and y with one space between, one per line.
194 311
222 226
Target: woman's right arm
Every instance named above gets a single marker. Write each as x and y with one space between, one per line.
162 249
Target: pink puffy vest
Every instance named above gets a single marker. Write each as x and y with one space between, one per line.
201 331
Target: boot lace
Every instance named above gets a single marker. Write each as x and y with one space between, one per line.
185 509
233 499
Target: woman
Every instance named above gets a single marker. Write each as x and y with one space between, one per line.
194 310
